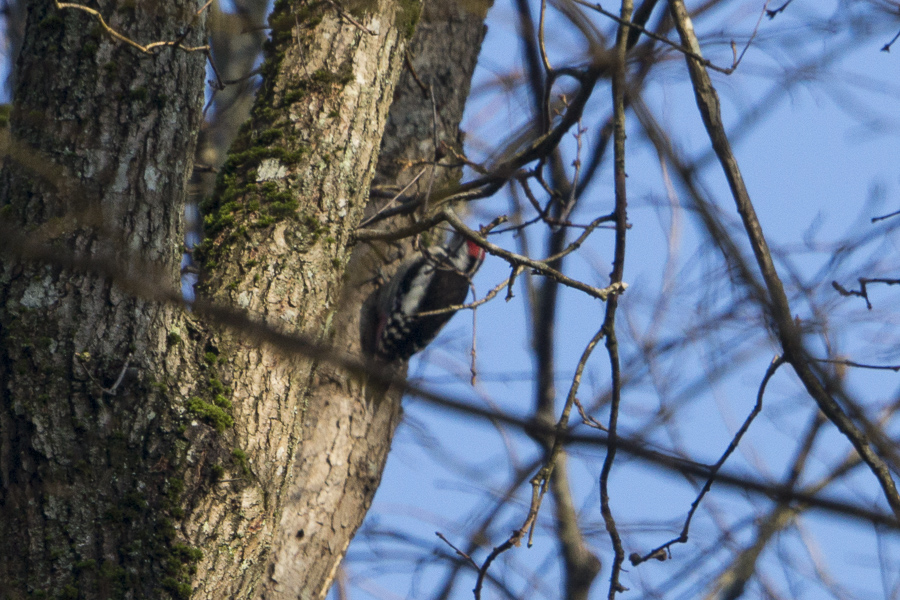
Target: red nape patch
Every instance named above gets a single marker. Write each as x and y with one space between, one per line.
475 250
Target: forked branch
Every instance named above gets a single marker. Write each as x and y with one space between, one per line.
777 305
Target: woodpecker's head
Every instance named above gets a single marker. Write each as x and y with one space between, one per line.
464 255
475 251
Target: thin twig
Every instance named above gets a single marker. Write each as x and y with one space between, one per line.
662 551
542 477
540 146
112 390
541 46
617 287
686 51
375 217
887 47
344 14
148 49
863 291
889 215
473 305
84 357
619 87
407 58
651 34
850 363
447 215
777 303
772 13
576 244
459 552
587 419
573 193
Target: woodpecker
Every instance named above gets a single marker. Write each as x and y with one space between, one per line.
433 279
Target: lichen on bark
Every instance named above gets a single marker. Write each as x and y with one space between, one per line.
144 451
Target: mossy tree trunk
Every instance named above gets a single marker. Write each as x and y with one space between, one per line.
145 452
348 425
91 471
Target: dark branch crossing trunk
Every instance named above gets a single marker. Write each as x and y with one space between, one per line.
145 452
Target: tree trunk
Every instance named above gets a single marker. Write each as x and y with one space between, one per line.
279 239
144 452
92 458
349 423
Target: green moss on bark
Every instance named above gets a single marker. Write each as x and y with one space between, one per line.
408 16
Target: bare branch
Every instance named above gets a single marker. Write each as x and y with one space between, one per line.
148 49
780 312
662 551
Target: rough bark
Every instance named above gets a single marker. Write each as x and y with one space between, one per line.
88 493
280 230
172 484
349 423
143 452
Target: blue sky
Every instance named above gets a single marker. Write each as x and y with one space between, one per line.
819 162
